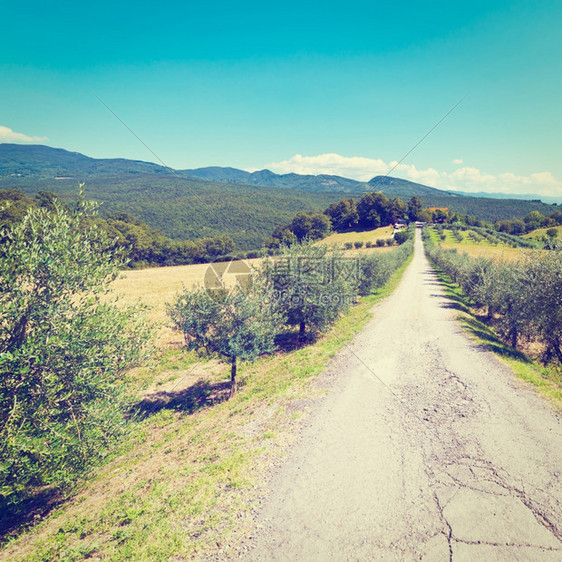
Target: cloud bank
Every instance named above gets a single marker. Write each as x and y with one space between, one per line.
7 135
465 178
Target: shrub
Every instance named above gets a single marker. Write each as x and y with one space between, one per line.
380 242
64 346
402 235
348 246
313 284
236 324
358 244
390 241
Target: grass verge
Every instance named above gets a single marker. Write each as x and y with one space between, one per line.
546 379
188 477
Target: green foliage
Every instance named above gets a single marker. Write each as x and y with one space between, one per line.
313 285
64 346
305 226
235 324
144 245
402 235
348 245
415 208
377 268
343 215
186 208
358 244
523 298
531 221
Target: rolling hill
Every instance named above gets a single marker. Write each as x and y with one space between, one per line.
190 204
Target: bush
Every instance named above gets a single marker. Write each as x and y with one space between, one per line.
380 243
236 324
358 245
348 246
390 241
369 244
377 268
402 235
64 346
313 285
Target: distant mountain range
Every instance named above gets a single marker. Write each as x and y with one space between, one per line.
216 200
40 161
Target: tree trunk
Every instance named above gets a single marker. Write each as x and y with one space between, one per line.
514 338
233 376
302 329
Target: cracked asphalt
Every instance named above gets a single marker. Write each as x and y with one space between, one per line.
425 448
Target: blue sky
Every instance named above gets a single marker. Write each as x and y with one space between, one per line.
310 87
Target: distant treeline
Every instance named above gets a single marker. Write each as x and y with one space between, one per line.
373 210
146 246
529 222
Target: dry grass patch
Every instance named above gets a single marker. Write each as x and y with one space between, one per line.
340 238
154 287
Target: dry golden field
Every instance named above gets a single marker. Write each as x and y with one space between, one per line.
340 238
154 287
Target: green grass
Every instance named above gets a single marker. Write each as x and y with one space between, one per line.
539 233
546 379
189 473
480 248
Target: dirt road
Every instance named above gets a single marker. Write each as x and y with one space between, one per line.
425 448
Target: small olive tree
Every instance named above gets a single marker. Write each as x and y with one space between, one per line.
234 324
64 346
313 284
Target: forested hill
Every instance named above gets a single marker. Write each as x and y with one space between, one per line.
181 207
223 201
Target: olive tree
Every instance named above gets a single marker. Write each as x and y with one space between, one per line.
313 285
64 346
240 323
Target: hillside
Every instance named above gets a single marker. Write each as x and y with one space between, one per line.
322 182
180 208
486 207
190 204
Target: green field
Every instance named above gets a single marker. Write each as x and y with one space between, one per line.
474 247
540 233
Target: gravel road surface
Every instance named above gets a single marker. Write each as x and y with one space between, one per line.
426 448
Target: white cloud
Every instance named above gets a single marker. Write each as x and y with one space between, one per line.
356 167
7 135
464 179
458 161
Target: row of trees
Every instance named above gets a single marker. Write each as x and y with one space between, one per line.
529 222
523 298
306 286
